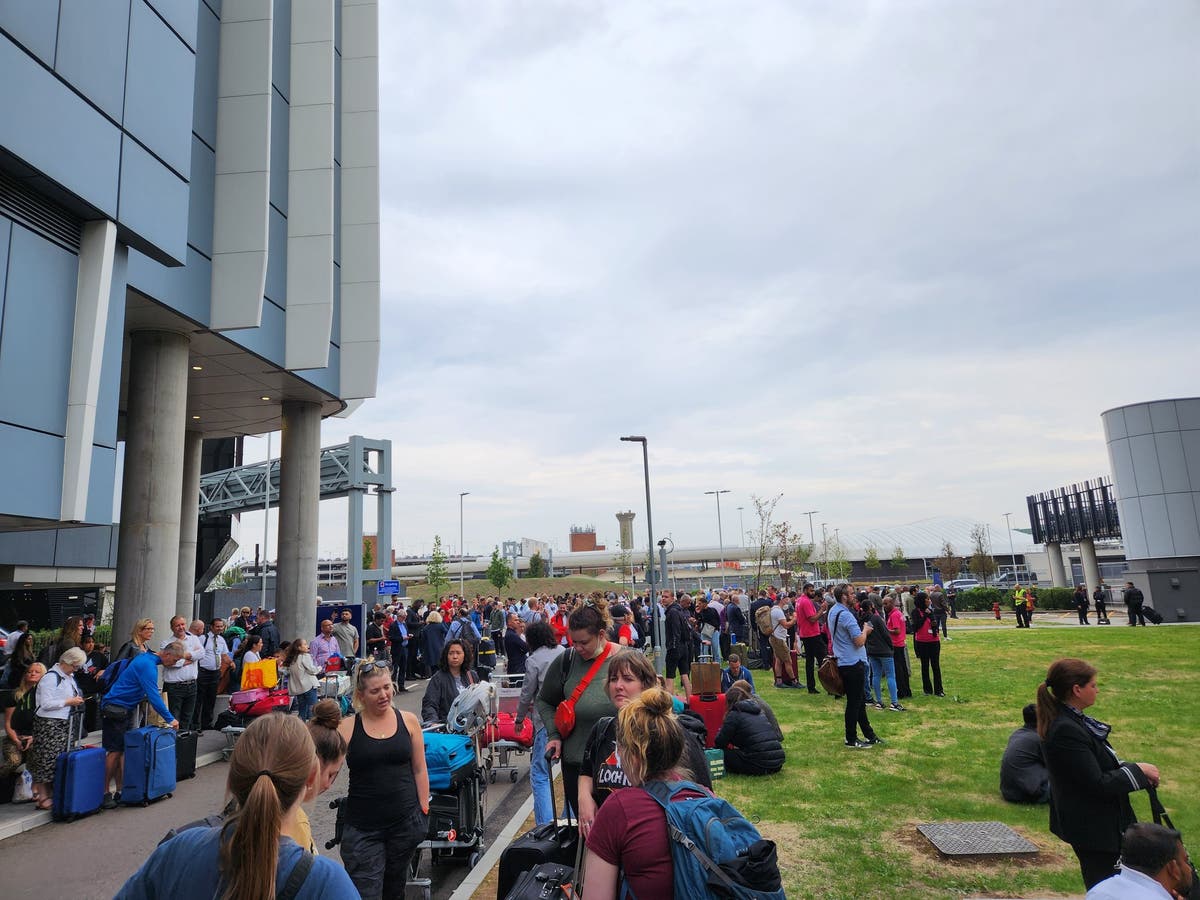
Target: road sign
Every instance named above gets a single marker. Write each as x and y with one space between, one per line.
387 588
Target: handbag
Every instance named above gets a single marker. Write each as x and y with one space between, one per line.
23 790
261 674
1161 818
564 715
830 677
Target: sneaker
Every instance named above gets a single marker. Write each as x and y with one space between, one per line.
896 707
813 691
857 745
876 705
939 694
779 684
110 802
876 740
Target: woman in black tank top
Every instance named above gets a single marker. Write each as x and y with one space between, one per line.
387 808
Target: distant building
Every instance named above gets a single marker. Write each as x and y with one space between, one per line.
583 538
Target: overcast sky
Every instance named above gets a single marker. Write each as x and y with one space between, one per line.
889 259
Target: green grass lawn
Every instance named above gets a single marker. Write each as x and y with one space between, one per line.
845 821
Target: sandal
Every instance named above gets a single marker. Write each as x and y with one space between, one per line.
44 803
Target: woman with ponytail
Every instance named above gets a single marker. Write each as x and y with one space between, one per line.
629 836
249 856
1089 785
331 753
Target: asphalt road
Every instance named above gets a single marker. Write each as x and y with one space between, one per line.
92 858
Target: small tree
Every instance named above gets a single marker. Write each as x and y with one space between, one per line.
871 560
499 572
948 562
368 555
229 577
898 560
625 561
437 573
764 535
982 564
537 565
794 553
839 567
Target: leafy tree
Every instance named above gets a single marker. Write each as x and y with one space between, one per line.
948 562
499 572
794 552
368 555
872 559
764 535
625 561
229 577
899 561
437 573
982 563
537 566
838 567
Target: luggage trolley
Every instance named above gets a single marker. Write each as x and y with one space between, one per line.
501 736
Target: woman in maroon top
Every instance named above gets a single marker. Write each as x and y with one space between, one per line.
629 835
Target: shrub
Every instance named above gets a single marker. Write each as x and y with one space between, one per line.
982 598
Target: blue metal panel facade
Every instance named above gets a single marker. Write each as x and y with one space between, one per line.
33 25
153 201
39 459
159 87
87 33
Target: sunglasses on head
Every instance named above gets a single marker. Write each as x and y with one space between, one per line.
370 665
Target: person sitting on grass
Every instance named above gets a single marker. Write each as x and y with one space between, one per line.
1023 775
735 672
750 735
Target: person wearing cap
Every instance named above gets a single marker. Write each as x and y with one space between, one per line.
624 631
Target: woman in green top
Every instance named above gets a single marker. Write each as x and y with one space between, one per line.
588 625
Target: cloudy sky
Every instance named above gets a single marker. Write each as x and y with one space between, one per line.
889 259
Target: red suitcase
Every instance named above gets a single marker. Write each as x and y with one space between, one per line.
504 730
260 701
711 708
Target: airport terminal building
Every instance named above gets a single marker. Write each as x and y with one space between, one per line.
189 253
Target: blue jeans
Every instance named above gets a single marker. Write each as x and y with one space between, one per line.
880 666
305 702
539 779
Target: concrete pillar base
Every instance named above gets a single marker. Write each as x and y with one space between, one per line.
1058 572
299 505
148 540
1091 568
189 525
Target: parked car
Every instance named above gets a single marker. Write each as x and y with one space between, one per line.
963 584
1011 579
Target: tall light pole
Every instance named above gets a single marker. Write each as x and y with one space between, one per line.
720 535
660 637
741 528
460 541
1012 554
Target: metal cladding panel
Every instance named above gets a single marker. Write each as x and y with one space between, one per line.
204 97
34 25
39 459
154 201
279 153
1185 530
53 129
1172 465
101 487
180 15
35 345
200 197
1163 416
114 347
1137 419
267 339
29 548
159 89
183 288
276 290
89 35
1132 531
1146 473
1159 540
5 235
83 548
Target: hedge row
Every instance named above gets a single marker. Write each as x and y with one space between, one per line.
49 635
982 598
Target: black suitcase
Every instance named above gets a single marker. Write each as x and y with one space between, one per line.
456 812
1153 616
553 842
185 754
545 882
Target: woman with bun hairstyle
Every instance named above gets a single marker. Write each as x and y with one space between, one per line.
588 623
249 856
1089 785
629 836
331 753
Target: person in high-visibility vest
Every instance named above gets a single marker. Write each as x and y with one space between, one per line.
1019 608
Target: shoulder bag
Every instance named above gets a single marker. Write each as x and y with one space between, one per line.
564 715
831 678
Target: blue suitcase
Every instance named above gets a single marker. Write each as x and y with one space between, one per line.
78 779
149 765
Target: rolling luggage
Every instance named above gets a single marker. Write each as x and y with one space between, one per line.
1153 616
505 730
554 844
185 754
335 685
149 765
78 776
712 710
449 759
706 678
260 701
544 882
454 816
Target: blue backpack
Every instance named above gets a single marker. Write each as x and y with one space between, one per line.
716 852
112 672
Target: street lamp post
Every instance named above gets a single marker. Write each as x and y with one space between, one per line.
720 535
812 539
460 542
1012 553
660 637
741 528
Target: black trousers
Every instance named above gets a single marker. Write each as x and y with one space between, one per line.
1095 865
570 780
378 861
399 664
206 698
854 678
903 675
181 701
814 655
930 654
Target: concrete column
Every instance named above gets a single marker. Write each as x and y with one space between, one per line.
299 504
1091 569
189 524
148 540
1058 572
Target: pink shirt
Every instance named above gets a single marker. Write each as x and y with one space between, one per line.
805 610
895 619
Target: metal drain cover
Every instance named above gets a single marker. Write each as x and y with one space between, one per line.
976 839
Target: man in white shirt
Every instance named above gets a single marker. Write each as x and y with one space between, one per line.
216 651
1154 866
179 680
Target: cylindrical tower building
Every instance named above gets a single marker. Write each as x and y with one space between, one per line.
626 521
